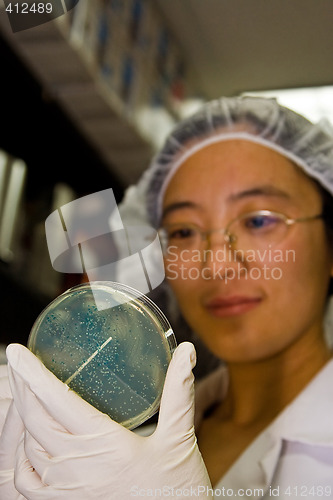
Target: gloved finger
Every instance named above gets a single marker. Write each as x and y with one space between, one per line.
27 480
48 433
4 407
36 472
64 405
10 437
5 392
5 395
49 471
12 432
68 473
34 416
37 457
177 403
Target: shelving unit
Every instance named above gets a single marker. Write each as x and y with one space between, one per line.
85 78
65 56
68 81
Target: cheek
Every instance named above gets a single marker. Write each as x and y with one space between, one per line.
305 273
317 257
184 279
181 278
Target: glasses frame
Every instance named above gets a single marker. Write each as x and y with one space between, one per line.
230 238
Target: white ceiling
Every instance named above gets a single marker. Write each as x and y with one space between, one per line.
236 46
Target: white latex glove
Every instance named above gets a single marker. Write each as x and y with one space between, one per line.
73 451
11 431
12 434
5 395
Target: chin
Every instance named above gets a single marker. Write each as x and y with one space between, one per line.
234 346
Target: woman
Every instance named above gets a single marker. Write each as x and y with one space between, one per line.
241 195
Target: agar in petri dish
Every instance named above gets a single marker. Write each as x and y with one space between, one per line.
110 344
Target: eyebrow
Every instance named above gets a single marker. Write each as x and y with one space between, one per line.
180 205
265 191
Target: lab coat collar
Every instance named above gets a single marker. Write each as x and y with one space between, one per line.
308 420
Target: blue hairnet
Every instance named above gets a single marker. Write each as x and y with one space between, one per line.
257 119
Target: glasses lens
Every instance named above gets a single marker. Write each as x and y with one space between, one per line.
258 230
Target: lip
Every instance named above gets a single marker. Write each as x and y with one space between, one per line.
231 306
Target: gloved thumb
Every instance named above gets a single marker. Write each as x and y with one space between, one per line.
177 404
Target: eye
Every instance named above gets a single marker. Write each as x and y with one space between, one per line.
181 232
261 222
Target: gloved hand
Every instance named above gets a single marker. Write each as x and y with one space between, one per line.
5 395
12 434
11 430
73 451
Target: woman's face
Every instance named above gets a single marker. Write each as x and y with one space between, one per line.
249 308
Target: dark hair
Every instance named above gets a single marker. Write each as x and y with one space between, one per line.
327 212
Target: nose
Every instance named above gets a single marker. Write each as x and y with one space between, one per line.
219 237
221 258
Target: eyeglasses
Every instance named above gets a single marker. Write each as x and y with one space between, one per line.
249 231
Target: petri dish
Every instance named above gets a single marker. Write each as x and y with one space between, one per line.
110 344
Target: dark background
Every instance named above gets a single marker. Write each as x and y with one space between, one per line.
34 128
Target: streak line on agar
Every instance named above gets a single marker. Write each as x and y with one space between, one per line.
94 354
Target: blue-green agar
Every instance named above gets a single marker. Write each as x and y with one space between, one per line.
115 358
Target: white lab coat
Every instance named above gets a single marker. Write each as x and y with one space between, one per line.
293 457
